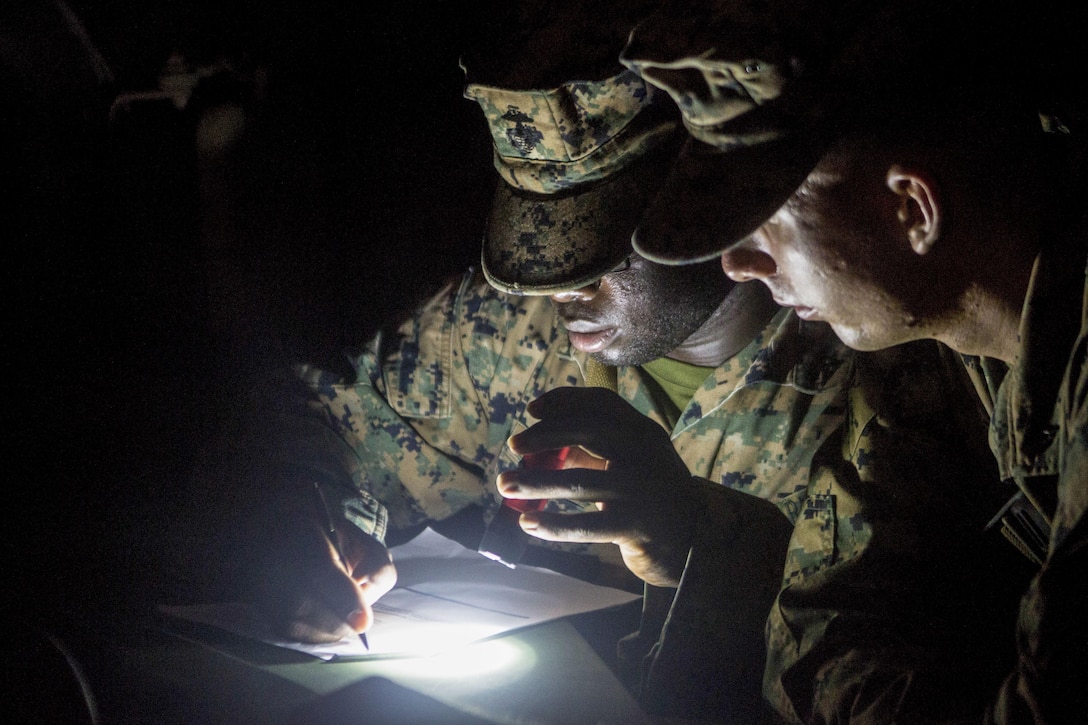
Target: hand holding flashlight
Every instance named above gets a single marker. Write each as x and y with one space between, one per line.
504 541
618 459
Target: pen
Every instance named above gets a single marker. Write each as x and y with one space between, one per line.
331 533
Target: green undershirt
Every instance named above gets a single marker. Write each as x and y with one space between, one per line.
678 380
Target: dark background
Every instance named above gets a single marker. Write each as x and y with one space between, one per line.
147 281
154 268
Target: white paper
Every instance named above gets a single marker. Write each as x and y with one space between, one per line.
446 595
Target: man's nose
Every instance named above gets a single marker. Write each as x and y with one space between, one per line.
582 294
742 263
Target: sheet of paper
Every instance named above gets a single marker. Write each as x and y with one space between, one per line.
446 595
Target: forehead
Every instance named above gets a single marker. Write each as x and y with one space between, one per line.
832 223
811 197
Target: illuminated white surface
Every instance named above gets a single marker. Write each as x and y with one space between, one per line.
542 675
446 597
491 662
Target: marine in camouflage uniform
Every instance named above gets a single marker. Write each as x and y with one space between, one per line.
420 433
893 602
456 376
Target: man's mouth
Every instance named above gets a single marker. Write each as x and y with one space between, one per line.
805 313
587 337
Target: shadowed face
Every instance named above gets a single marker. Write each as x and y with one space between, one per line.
642 312
835 252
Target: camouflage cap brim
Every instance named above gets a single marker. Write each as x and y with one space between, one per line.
578 164
746 75
540 244
716 197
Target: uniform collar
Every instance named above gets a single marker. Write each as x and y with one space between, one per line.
1024 426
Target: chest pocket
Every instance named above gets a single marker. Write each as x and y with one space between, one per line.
812 545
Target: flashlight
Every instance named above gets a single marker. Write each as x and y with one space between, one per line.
504 541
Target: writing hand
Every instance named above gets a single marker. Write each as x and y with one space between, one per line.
646 500
311 594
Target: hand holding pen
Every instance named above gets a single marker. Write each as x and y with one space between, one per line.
334 539
315 576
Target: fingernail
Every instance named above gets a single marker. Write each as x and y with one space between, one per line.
528 523
507 482
357 619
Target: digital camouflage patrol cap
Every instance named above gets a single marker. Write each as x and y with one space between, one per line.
578 164
759 84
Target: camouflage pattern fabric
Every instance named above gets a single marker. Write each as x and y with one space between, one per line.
1018 652
864 457
894 603
762 87
578 164
423 429
730 84
551 140
1039 435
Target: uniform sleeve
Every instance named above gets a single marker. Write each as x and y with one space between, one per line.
894 607
408 441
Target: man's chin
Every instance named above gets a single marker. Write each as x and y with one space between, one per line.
607 360
860 340
623 358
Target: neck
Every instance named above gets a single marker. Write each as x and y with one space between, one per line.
739 318
989 319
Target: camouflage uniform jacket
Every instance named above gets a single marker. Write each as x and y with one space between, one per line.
420 435
885 608
1039 435
834 440
885 637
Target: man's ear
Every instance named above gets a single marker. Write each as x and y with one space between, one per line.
920 207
